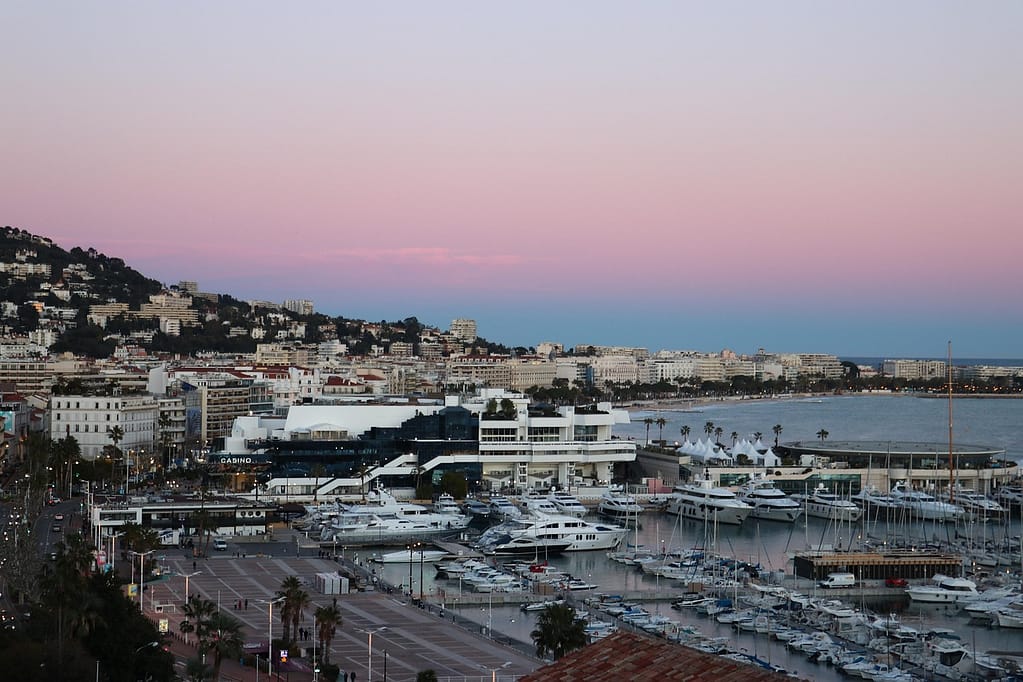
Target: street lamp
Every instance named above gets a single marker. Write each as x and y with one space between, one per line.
187 576
493 671
142 574
270 639
369 666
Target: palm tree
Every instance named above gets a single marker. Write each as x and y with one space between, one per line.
718 432
116 435
317 471
777 432
649 421
327 620
199 614
295 599
163 424
196 670
558 631
757 436
300 602
660 421
364 469
708 428
226 639
735 437
822 434
685 432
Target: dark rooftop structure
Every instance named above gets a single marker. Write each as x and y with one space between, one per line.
898 454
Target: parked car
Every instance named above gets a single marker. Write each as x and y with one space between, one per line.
220 544
896 582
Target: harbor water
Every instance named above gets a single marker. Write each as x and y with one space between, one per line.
769 544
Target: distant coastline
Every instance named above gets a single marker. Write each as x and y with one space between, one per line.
694 405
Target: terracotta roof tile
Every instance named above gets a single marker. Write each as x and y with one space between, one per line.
636 658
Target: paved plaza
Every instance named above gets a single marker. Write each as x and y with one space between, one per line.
414 639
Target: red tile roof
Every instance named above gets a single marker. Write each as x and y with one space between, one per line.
636 658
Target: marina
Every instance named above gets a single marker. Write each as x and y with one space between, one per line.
751 588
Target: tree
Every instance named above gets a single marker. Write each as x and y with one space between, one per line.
198 619
327 620
426 676
718 432
735 437
684 431
660 421
777 432
649 421
822 434
226 639
558 631
708 428
295 602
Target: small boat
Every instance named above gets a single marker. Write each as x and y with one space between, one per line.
415 556
541 605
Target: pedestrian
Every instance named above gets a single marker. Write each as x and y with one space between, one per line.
246 604
193 565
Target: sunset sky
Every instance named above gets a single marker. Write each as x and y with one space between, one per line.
798 176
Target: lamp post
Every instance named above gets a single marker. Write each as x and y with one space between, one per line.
142 573
270 639
421 555
493 671
369 660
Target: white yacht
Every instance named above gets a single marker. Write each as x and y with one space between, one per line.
702 501
924 506
446 504
581 535
384 518
977 504
533 504
944 590
825 504
769 502
618 505
503 508
567 503
874 499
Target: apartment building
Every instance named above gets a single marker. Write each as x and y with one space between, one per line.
89 420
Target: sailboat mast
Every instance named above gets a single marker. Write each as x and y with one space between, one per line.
951 469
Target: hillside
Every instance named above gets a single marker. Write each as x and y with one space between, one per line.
48 293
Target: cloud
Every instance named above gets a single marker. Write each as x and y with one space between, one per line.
427 256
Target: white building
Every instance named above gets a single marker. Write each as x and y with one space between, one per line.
89 420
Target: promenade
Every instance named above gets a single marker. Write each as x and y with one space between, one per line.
407 637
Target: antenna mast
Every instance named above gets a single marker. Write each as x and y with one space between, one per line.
951 470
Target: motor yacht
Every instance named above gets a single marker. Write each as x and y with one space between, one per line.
580 534
446 504
703 501
503 508
974 503
768 501
618 505
944 590
825 504
535 505
924 506
872 498
415 556
567 504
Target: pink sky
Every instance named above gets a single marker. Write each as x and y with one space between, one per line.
793 176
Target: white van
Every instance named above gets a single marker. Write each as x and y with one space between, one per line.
835 580
220 544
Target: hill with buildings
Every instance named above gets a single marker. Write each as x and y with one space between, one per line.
85 302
